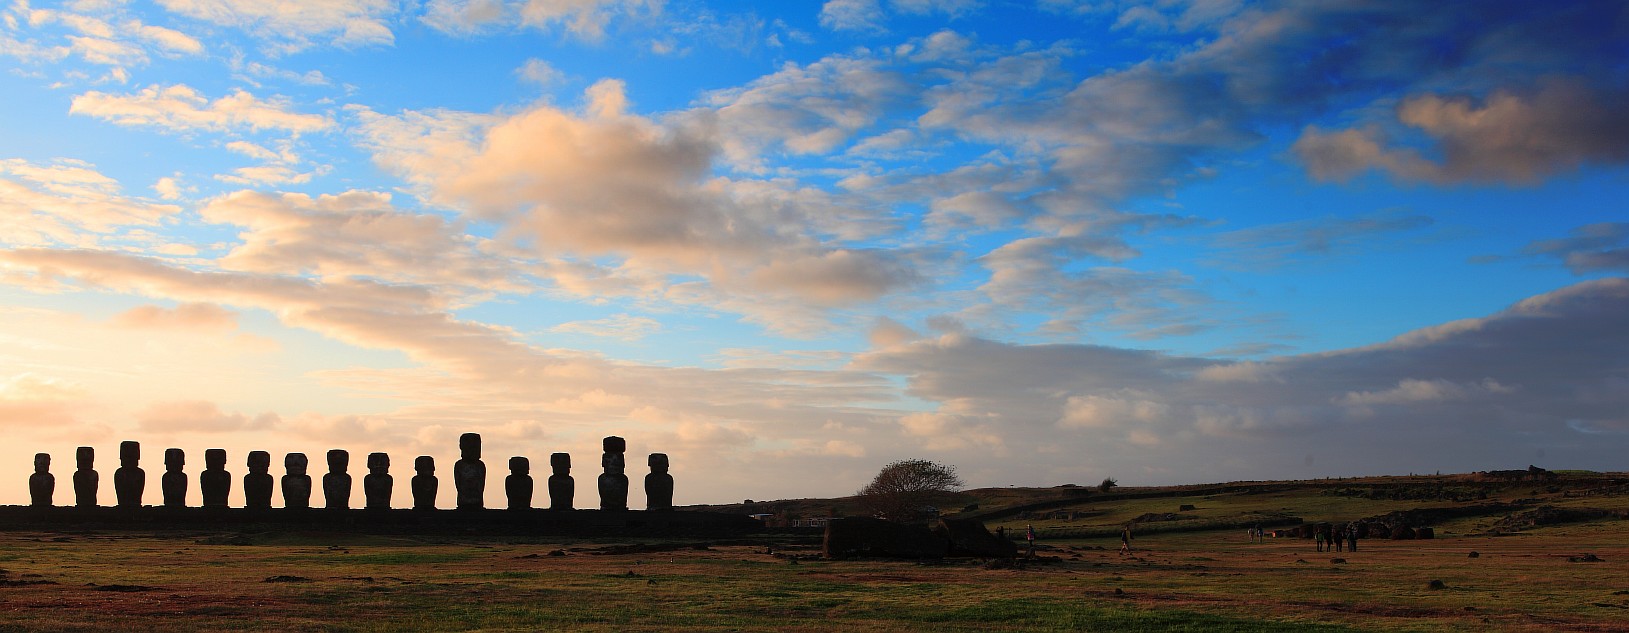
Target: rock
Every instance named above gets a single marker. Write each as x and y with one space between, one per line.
1585 558
1337 561
1185 507
1474 554
969 537
1437 584
1402 533
860 537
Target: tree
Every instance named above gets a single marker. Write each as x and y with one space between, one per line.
904 488
1108 484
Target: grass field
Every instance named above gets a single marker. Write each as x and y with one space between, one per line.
1180 581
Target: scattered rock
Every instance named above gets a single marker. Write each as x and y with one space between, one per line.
968 537
125 588
1185 507
866 537
287 579
532 555
1474 554
1584 558
24 583
558 552
1337 561
1119 592
1437 584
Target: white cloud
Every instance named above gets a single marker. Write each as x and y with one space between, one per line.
180 108
585 19
293 25
622 326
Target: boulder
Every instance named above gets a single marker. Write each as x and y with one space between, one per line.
969 537
862 537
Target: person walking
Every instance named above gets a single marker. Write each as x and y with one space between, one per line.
1125 539
1029 535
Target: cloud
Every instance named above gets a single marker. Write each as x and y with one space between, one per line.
605 184
1601 247
32 401
1495 388
622 326
196 416
66 202
852 15
1506 137
295 25
180 108
1288 242
586 19
186 317
539 72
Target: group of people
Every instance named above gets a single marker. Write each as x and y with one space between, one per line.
1330 539
1327 537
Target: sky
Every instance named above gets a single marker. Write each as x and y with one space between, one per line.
1045 242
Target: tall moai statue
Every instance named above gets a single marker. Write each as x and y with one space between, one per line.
614 484
85 479
518 485
215 482
377 484
296 484
129 480
42 485
174 482
336 485
469 474
658 484
561 487
257 485
425 483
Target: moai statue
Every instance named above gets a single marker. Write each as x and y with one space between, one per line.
518 485
42 484
257 485
129 480
658 484
174 482
424 483
614 484
215 482
296 484
377 484
336 485
469 474
85 479
561 486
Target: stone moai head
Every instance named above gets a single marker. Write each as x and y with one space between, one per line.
561 462
295 463
520 466
378 463
86 456
174 459
259 461
338 460
613 462
42 462
425 465
215 458
129 453
658 462
469 445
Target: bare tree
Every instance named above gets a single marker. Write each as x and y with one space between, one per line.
904 488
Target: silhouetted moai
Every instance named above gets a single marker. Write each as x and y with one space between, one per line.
296 484
561 486
215 482
377 484
469 474
336 485
42 484
129 480
85 479
658 484
518 485
614 484
257 485
425 483
174 482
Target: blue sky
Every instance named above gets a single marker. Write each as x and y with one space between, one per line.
1046 242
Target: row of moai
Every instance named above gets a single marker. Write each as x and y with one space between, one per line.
469 478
